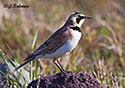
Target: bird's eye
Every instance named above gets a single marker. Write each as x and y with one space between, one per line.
79 18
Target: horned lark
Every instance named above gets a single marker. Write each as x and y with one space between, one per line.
62 42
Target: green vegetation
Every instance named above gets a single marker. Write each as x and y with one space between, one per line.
100 52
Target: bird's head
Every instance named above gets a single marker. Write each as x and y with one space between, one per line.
77 19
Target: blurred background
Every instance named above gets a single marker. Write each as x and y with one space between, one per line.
101 50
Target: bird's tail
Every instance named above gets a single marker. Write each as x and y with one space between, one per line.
28 59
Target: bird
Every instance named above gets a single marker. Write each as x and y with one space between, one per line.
60 43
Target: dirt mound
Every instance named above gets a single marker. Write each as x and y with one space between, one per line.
66 80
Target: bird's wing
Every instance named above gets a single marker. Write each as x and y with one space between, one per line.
50 45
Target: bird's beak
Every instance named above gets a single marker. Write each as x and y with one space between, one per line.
87 17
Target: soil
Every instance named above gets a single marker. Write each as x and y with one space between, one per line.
67 80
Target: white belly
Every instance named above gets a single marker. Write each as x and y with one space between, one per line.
76 36
66 48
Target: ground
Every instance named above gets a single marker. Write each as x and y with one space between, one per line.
67 80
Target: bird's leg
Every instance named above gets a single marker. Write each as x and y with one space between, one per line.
61 69
60 65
